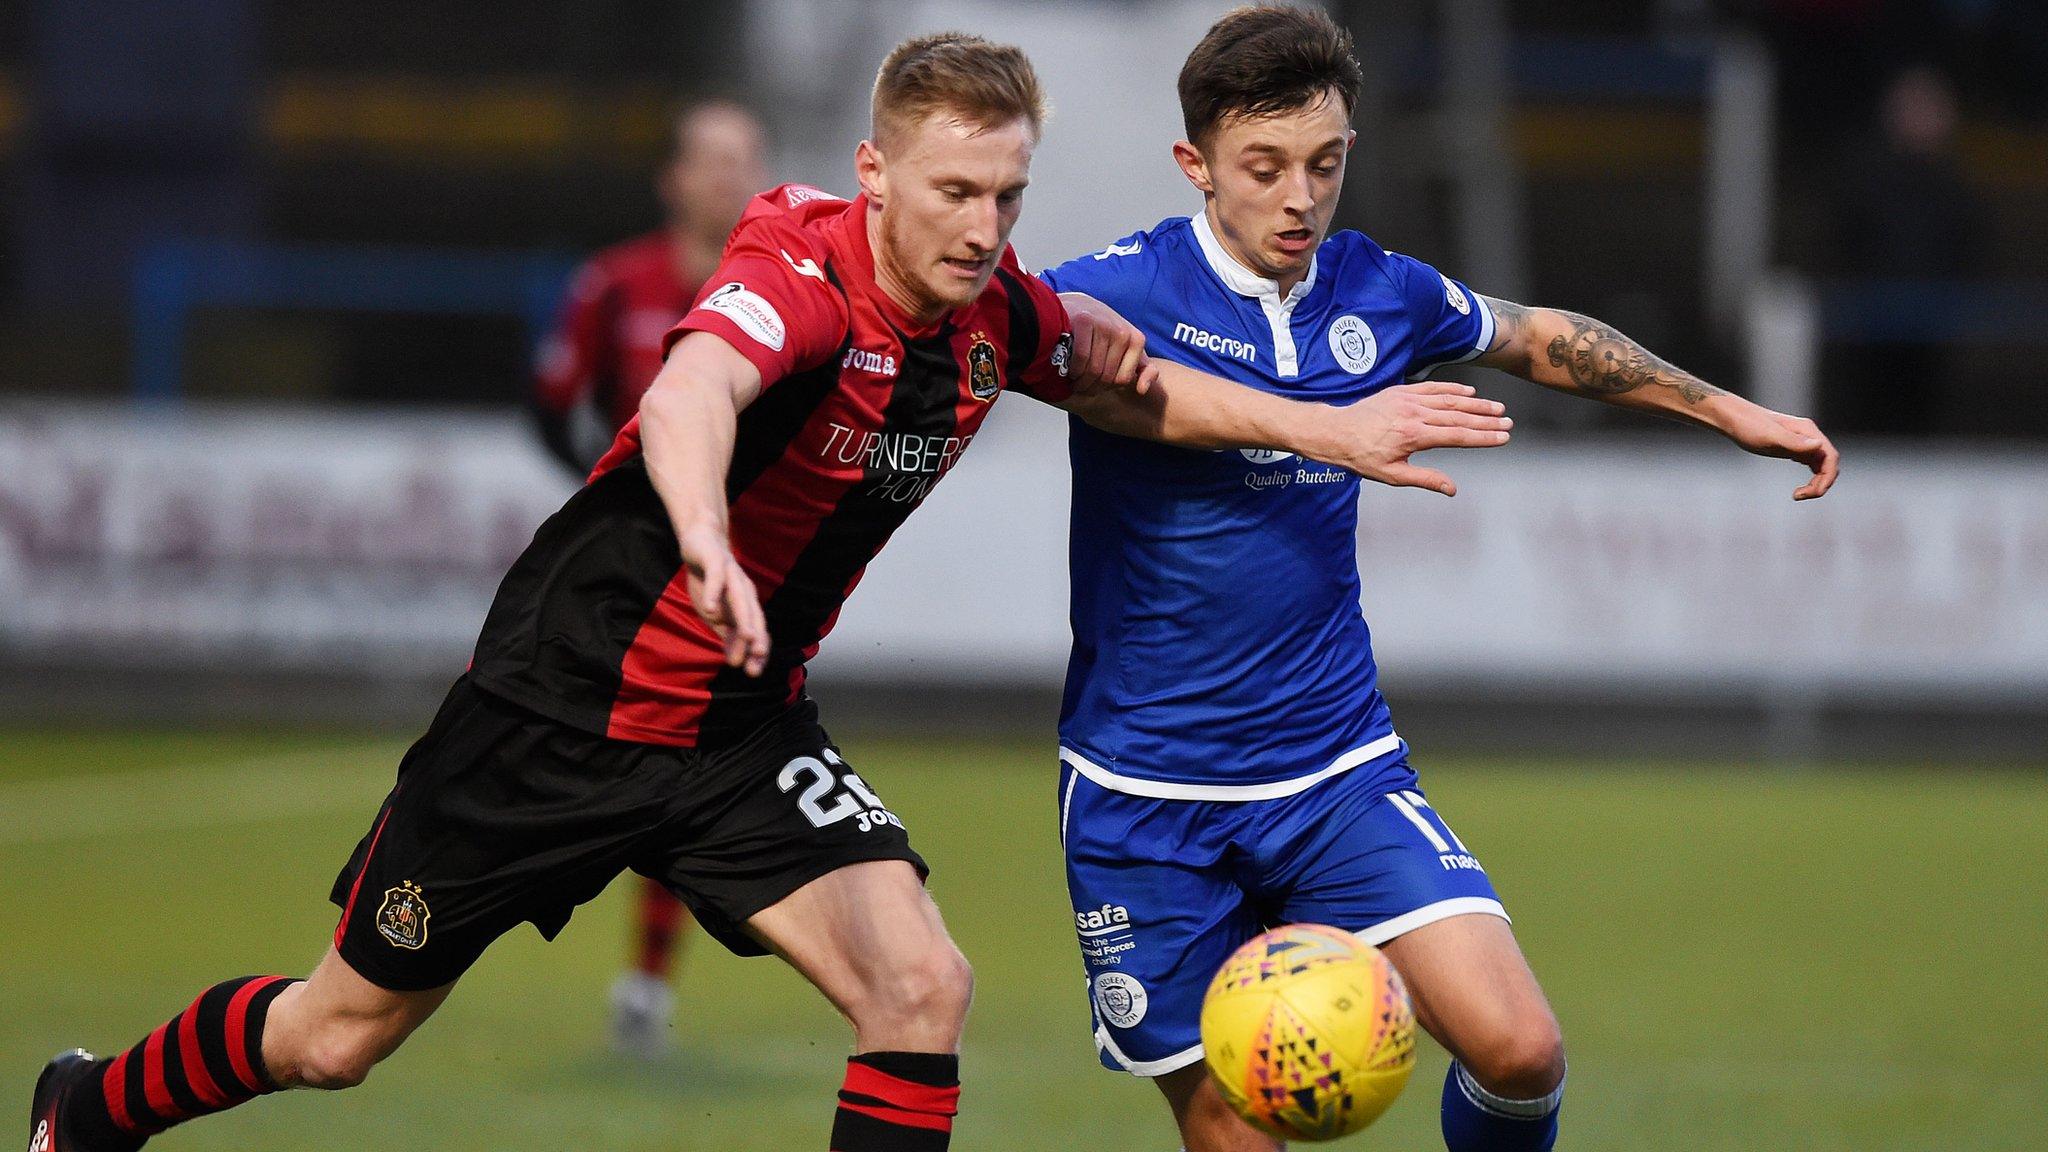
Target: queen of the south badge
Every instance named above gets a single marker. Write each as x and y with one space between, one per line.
402 920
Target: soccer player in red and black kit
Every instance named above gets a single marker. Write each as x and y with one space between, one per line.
637 697
593 369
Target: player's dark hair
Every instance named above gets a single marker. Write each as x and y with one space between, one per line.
962 76
1265 60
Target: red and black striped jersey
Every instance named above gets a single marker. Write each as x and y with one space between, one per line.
862 412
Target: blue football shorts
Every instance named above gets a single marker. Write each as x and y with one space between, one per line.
1164 890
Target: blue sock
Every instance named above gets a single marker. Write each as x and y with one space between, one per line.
1476 1120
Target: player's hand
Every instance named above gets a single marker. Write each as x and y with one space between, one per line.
725 597
1768 433
1109 351
1379 433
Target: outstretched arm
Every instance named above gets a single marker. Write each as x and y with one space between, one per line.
688 420
1124 392
1581 355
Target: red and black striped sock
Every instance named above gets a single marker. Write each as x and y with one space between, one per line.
897 1102
206 1059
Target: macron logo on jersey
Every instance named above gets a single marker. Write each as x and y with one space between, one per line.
1189 334
1131 249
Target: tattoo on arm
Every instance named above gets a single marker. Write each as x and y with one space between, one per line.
1508 318
1604 362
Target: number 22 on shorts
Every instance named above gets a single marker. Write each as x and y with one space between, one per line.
857 800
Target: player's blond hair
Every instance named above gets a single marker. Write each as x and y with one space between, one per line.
958 76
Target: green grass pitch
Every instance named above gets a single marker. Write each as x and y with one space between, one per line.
1743 958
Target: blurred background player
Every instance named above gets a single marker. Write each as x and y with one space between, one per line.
606 345
1201 805
602 355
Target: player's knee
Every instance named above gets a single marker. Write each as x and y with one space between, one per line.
335 1062
339 1053
932 990
1524 1061
943 985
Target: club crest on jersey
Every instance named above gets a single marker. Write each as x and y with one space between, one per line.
1354 345
402 920
982 378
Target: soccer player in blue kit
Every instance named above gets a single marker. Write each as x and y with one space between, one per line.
1228 763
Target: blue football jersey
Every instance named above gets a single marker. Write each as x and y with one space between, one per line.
1219 648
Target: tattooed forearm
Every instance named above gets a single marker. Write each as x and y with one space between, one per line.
1602 361
1575 353
1508 318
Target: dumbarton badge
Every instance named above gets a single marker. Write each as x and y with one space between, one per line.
982 378
402 920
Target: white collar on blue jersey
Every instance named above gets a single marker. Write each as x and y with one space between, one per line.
1237 277
1279 309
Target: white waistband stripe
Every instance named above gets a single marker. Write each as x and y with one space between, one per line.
1167 790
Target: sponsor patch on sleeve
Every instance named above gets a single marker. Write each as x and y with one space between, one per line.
751 313
1455 295
1063 352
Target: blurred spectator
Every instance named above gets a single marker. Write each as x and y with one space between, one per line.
606 346
1906 213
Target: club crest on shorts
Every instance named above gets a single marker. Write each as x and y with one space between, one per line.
402 920
982 378
1121 999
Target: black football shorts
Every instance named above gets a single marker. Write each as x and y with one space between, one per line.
502 815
